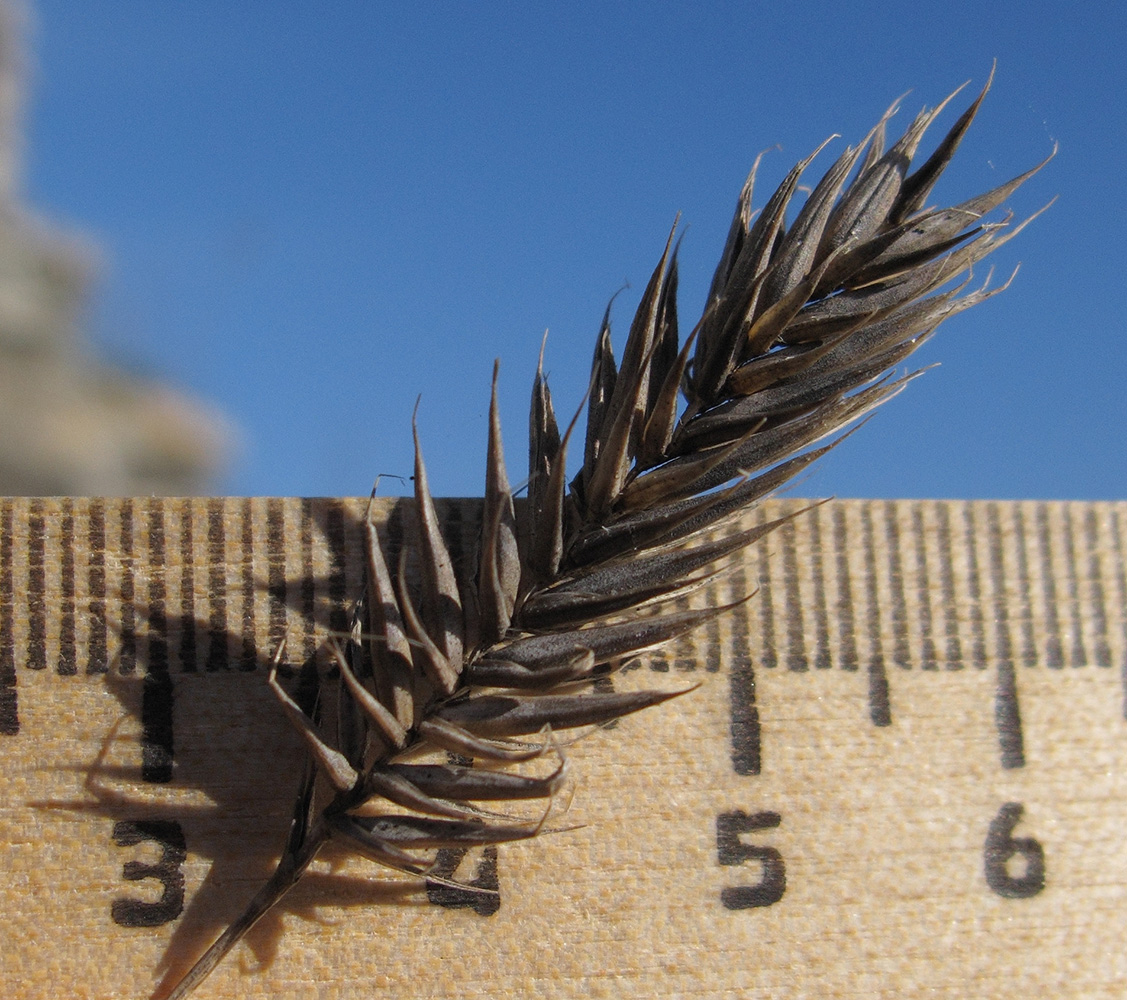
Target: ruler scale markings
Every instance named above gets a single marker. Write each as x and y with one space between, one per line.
67 663
36 588
1078 526
1101 651
1007 712
880 708
974 591
744 727
97 652
901 653
843 607
187 590
248 657
1028 655
9 699
1054 651
1078 656
928 656
795 656
1084 550
218 653
953 641
127 653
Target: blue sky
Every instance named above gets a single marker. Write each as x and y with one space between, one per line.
312 212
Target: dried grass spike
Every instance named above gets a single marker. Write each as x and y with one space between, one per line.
802 329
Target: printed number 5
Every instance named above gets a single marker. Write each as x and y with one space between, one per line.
730 850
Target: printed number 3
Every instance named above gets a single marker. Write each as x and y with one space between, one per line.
167 833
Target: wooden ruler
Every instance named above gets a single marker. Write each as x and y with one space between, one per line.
905 773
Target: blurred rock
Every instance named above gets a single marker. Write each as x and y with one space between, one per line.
70 424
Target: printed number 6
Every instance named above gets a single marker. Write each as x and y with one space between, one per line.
1002 845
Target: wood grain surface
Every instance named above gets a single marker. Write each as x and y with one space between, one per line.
903 773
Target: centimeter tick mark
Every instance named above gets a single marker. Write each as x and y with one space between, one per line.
157 744
746 752
1007 714
337 585
276 570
